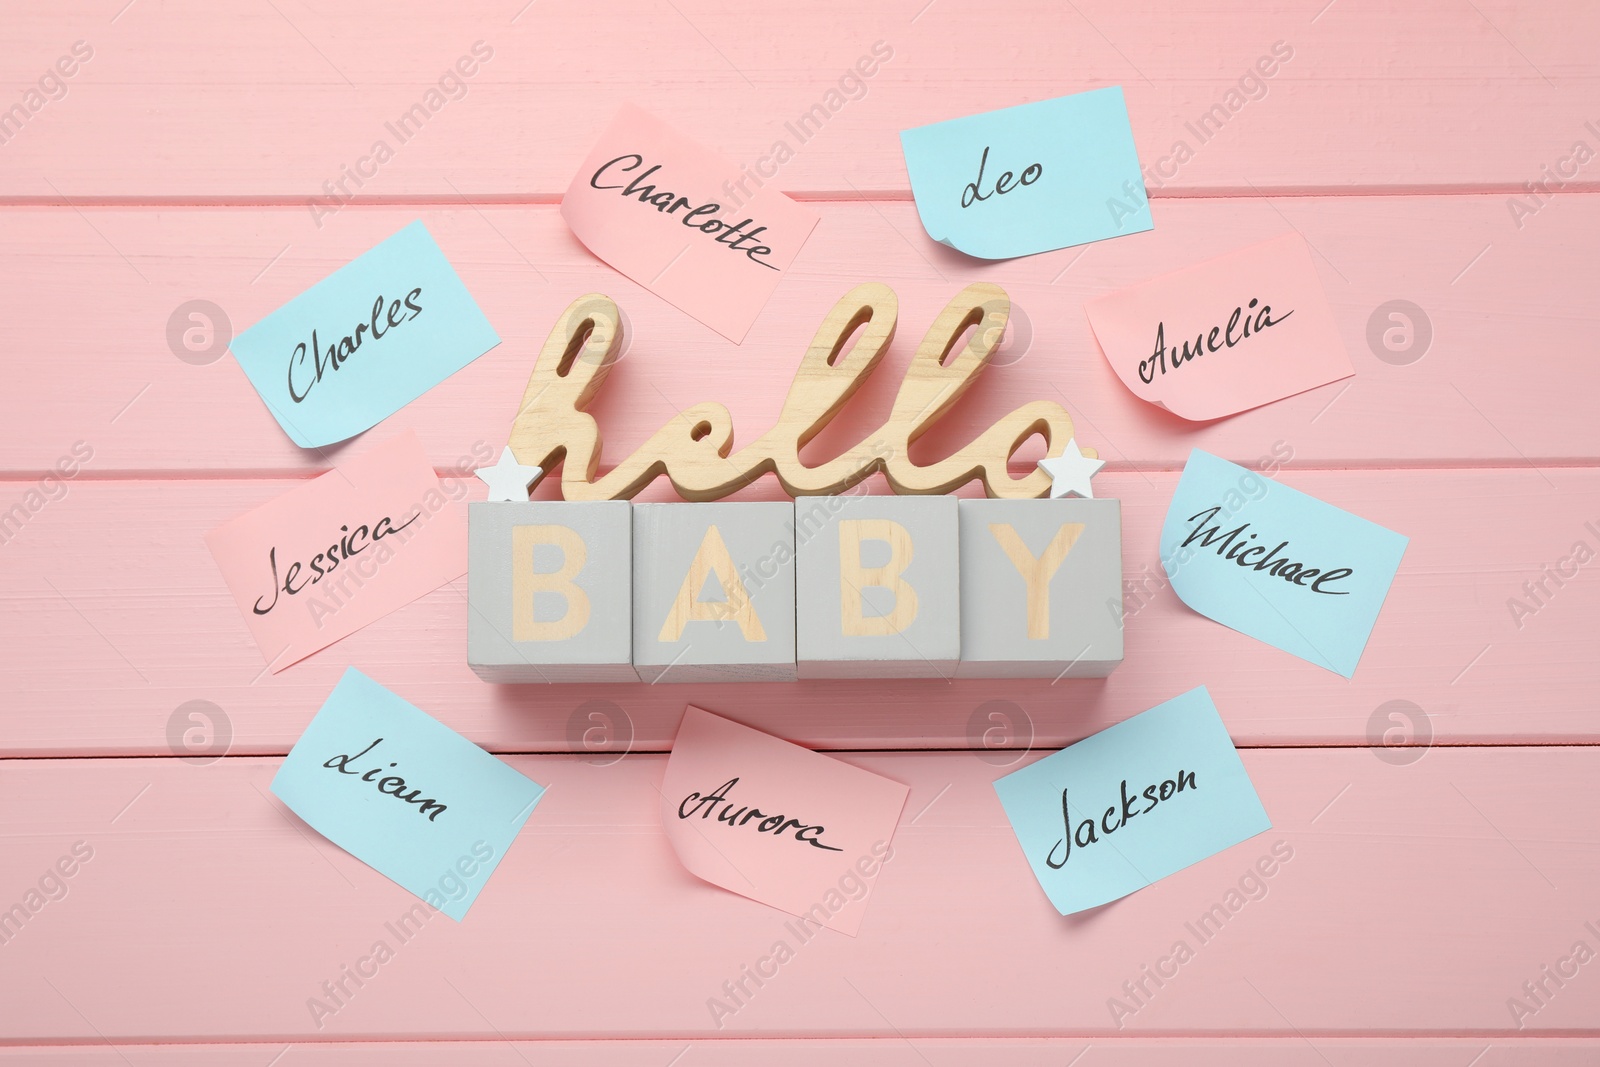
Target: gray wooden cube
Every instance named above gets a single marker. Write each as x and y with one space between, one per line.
879 586
549 591
1041 588
713 592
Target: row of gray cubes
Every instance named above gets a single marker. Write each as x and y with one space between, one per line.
823 587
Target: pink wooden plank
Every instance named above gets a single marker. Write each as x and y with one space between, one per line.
276 100
206 914
876 1052
1426 893
115 616
1503 382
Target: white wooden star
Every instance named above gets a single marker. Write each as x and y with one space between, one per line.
1070 472
508 479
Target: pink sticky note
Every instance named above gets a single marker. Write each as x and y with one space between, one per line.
1226 335
321 561
674 216
778 823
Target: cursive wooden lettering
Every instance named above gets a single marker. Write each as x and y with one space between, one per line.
695 448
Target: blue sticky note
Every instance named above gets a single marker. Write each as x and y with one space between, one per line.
1132 804
405 794
1030 178
365 341
1274 563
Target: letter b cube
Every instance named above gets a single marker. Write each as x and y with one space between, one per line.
550 591
878 587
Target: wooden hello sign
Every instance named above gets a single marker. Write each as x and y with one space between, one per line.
694 449
836 584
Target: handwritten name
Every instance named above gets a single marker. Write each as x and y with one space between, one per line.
668 203
334 356
695 449
394 785
353 543
1206 341
1085 834
778 825
1234 546
973 193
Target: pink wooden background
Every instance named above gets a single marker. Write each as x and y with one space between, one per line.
1429 881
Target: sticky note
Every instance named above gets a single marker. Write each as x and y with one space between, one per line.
1030 178
1226 335
1132 804
365 341
1274 563
343 550
758 816
683 222
405 794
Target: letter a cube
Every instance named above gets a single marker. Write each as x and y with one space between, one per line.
549 591
713 592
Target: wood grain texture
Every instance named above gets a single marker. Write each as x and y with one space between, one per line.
1487 391
1415 901
273 101
195 156
115 579
1320 1051
694 450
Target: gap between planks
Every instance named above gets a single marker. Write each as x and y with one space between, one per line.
653 749
1112 466
902 1036
885 196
